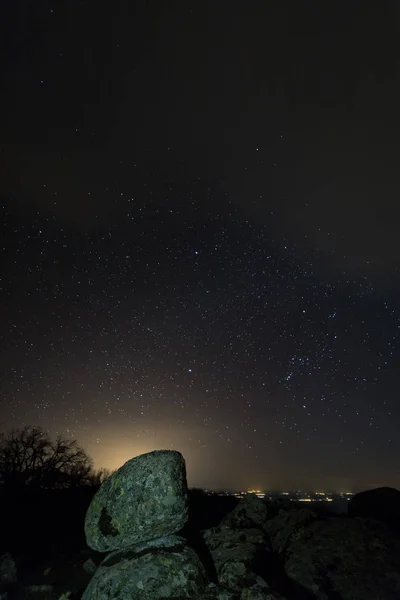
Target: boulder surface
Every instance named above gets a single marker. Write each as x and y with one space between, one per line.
144 500
163 568
237 555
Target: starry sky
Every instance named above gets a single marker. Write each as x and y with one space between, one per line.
199 235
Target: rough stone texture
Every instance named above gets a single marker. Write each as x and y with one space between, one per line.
145 499
345 558
158 569
258 592
257 550
249 513
382 504
237 555
8 570
217 592
288 524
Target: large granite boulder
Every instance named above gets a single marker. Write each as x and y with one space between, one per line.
158 569
382 504
238 555
144 500
350 559
249 513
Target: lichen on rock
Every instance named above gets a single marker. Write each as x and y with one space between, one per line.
168 569
145 499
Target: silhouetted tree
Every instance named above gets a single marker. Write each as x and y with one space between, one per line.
97 477
28 457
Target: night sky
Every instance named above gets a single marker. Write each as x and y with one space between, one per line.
200 235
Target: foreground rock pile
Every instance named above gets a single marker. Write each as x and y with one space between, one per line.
256 553
136 514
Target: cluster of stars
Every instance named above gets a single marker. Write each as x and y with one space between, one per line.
215 323
181 254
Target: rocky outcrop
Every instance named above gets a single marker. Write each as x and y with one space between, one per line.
144 500
249 513
258 551
163 568
343 558
237 555
148 496
241 552
302 556
286 526
382 504
135 514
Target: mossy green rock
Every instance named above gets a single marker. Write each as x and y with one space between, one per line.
160 569
144 500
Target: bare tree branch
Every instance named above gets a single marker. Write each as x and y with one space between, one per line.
28 457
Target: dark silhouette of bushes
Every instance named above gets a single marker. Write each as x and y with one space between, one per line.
46 487
28 457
